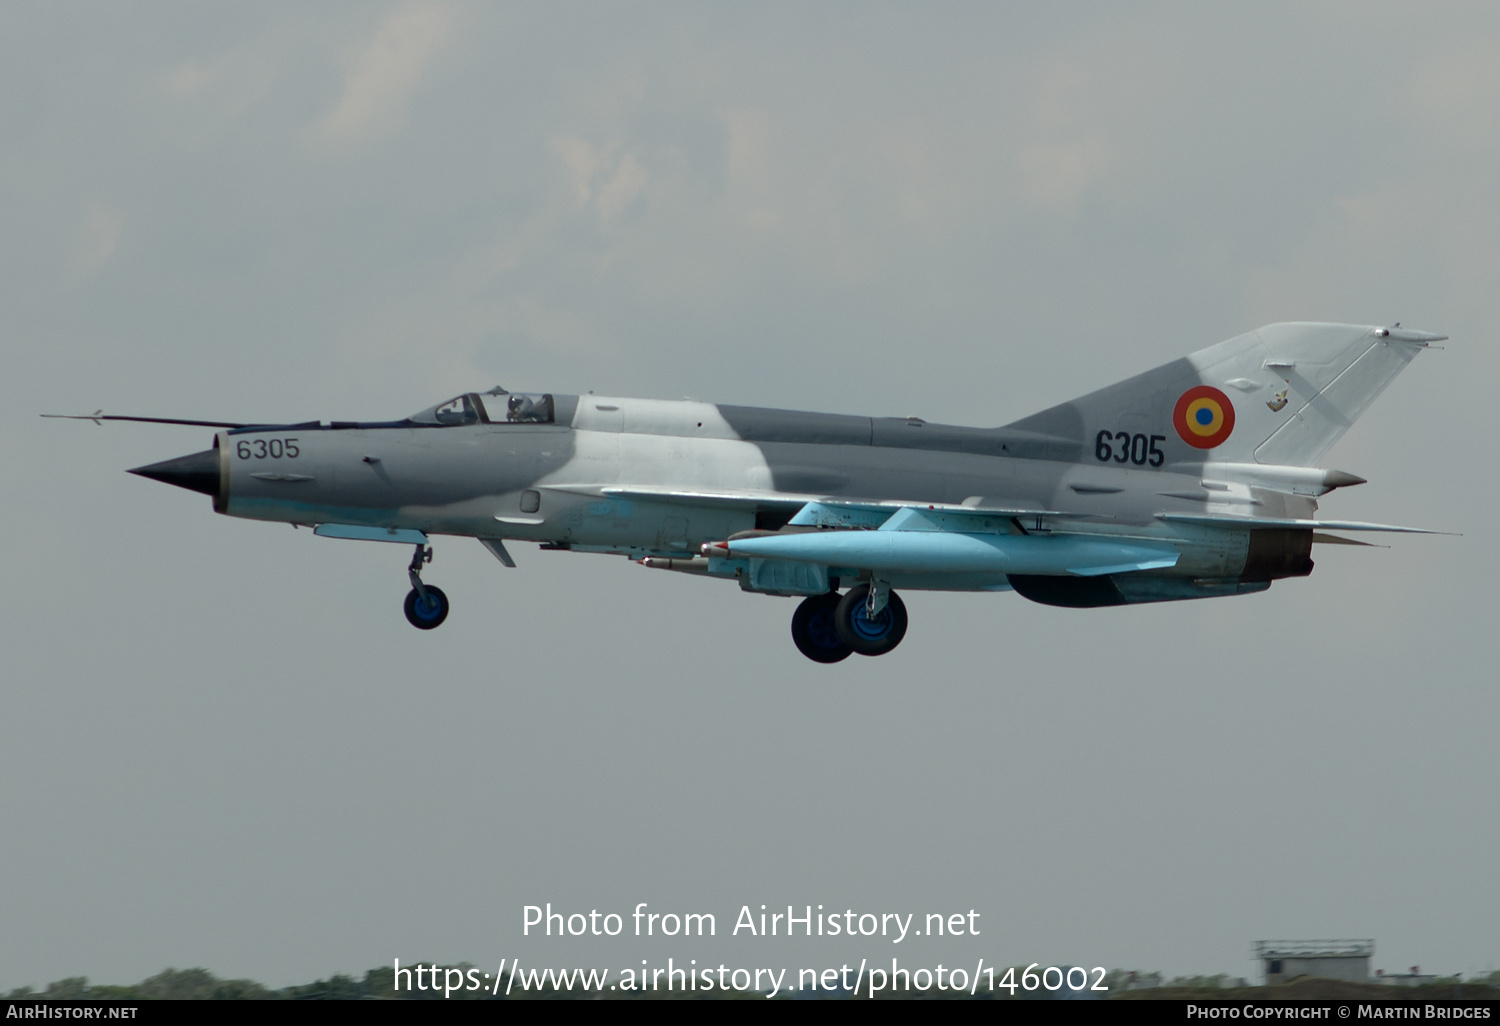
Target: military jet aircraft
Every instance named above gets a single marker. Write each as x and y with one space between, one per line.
1194 480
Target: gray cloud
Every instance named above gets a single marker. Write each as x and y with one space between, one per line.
382 75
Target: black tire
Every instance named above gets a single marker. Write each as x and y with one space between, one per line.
866 636
814 630
426 616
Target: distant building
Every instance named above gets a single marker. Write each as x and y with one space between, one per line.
1415 978
1284 960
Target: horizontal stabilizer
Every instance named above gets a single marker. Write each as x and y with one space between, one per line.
1333 539
1267 523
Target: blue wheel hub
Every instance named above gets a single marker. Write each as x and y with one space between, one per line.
872 629
866 634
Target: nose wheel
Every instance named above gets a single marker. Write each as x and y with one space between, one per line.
426 612
426 605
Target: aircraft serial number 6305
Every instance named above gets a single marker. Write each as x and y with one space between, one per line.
1193 480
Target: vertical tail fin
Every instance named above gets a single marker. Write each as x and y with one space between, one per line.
1282 394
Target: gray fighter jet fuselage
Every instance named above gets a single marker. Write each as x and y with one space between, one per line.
1194 480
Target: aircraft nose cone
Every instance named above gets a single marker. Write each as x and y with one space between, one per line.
198 472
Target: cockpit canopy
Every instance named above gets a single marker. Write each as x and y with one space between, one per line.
493 407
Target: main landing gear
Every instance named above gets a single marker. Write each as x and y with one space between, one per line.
426 605
870 620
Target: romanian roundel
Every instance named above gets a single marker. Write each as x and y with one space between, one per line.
1204 417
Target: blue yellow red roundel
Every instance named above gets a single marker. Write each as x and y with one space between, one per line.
1204 417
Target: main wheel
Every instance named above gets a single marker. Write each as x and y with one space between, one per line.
425 615
868 635
814 632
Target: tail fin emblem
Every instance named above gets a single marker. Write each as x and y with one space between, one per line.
1279 402
1203 417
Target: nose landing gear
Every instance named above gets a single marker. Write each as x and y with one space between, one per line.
426 605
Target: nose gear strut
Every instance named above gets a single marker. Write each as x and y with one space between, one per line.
421 556
426 605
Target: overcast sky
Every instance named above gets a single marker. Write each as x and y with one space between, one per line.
221 744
